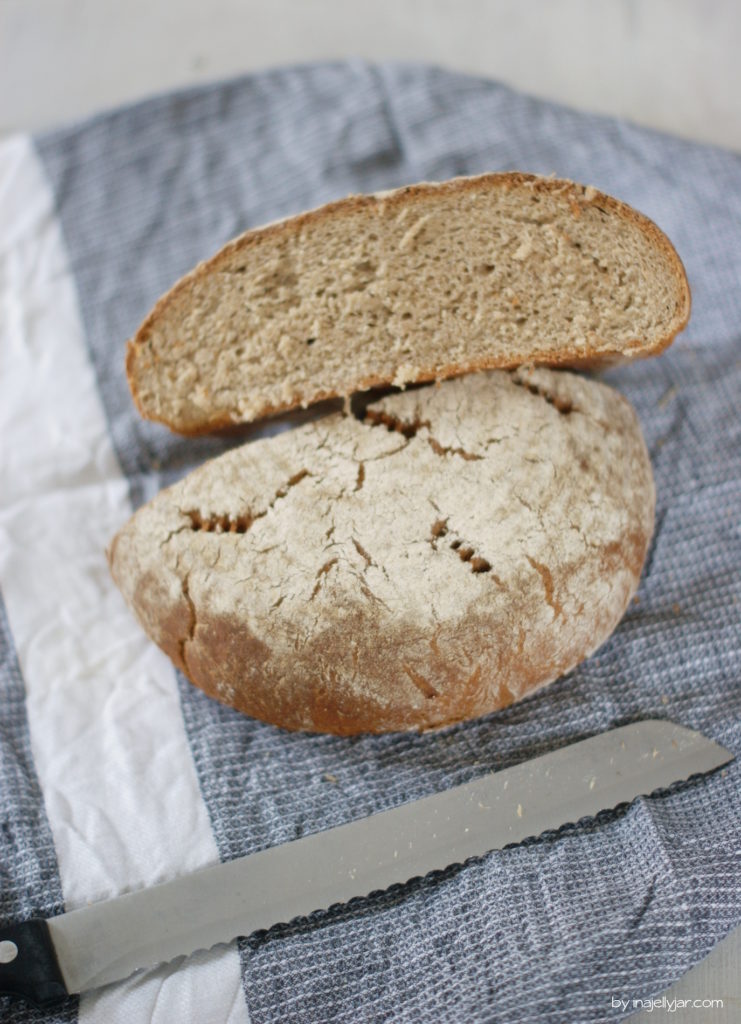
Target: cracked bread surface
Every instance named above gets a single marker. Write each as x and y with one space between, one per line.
423 283
463 545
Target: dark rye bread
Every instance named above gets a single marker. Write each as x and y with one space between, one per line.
461 547
422 283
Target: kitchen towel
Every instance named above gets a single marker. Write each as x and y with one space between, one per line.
116 773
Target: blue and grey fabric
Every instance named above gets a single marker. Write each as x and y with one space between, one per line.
555 929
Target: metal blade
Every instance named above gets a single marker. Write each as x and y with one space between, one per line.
108 941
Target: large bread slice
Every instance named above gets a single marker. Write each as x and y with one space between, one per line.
423 283
461 547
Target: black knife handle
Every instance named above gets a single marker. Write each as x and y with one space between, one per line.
33 972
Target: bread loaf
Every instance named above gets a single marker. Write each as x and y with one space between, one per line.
423 283
460 547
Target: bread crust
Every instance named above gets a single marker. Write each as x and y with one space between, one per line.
465 545
578 196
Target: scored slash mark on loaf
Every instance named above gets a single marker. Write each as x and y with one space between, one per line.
241 523
466 554
411 428
219 524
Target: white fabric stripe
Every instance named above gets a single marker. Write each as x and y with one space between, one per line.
110 748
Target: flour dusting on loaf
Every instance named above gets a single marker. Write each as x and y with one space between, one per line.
463 545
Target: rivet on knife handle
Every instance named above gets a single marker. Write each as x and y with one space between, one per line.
28 963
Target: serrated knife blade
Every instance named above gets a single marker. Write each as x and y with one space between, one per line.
45 960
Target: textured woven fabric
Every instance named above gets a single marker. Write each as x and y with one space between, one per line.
29 883
554 929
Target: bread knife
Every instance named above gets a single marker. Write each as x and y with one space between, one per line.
45 960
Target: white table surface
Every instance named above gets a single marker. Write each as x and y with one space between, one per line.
668 64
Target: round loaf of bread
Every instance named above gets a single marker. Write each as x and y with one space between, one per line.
463 545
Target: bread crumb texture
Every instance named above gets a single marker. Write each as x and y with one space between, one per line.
458 548
422 283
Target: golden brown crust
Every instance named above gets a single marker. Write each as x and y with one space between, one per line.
577 196
462 687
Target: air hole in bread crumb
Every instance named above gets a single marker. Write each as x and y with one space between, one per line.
310 341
